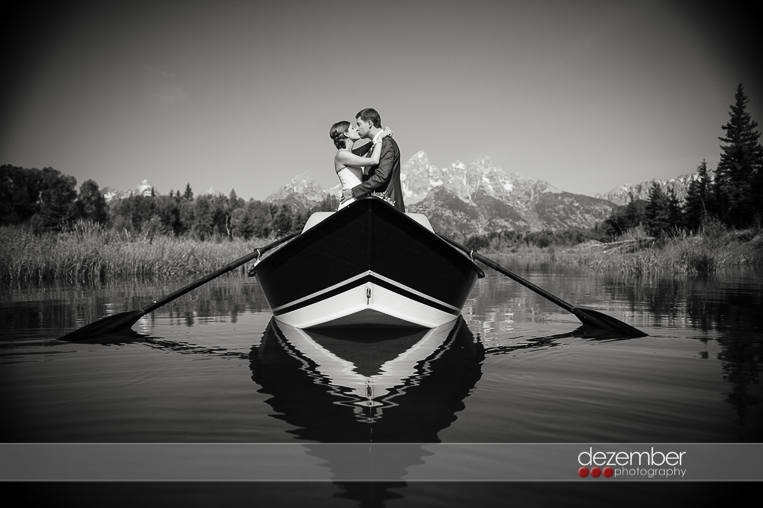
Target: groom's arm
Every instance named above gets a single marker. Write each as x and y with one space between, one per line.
382 173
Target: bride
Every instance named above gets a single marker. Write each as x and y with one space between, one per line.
348 164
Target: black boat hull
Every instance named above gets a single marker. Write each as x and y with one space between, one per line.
367 265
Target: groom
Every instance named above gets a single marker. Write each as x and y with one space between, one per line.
384 177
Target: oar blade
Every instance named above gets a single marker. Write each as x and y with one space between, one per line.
605 322
124 320
113 323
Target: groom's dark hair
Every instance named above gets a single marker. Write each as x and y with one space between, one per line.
370 114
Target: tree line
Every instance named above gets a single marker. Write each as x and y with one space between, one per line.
47 200
732 194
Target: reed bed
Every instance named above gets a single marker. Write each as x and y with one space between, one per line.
89 253
705 252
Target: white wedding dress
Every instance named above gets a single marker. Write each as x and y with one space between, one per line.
348 180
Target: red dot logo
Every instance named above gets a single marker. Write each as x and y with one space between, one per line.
583 472
596 472
608 472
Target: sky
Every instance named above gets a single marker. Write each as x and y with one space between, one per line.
586 95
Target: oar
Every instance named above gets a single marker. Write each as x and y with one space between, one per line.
127 319
586 316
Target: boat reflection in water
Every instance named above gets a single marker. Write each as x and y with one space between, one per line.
400 385
389 385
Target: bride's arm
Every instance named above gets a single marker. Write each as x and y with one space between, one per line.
362 150
350 159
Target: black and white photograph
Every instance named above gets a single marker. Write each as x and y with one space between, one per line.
421 253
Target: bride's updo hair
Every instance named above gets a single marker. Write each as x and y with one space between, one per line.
337 133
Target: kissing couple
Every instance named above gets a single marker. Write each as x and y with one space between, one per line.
372 167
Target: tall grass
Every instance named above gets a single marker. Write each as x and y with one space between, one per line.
88 253
710 249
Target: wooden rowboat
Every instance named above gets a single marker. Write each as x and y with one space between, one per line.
367 265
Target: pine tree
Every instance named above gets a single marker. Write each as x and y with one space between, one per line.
91 203
19 193
203 219
56 200
622 218
738 178
262 217
634 214
675 213
233 200
188 194
282 220
699 203
657 213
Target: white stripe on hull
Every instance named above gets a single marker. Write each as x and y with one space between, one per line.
357 299
392 374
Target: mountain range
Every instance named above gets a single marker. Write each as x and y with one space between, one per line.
475 198
142 189
480 197
623 194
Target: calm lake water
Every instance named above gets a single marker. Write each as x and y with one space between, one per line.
212 367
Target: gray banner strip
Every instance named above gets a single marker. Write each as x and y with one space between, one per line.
381 462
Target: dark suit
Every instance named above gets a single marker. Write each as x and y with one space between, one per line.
385 177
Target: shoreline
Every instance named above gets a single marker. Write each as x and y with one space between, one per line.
90 254
636 255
